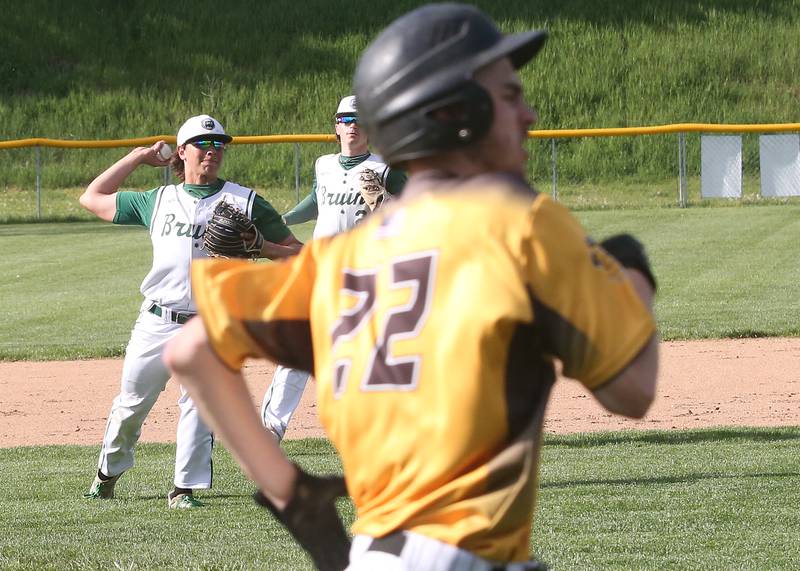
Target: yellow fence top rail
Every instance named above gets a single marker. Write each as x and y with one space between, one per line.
322 138
666 129
147 141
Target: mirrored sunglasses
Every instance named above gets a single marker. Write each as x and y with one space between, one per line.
347 119
205 145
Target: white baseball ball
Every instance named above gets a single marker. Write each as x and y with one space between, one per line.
165 152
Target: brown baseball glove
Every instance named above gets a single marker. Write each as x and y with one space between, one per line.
231 234
311 518
372 190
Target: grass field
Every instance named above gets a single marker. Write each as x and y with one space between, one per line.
707 500
713 500
71 289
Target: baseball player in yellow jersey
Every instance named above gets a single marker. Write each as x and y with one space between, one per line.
436 323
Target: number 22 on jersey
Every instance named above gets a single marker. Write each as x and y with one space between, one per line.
409 278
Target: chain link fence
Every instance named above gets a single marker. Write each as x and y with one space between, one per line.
668 166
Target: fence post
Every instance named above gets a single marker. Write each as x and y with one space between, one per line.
167 176
297 172
680 170
555 170
682 191
685 178
38 183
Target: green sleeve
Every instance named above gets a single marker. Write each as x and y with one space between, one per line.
305 210
269 222
395 181
135 208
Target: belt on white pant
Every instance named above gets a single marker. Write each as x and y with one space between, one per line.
418 545
168 315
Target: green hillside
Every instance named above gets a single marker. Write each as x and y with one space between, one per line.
93 69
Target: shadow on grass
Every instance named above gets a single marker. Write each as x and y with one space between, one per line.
685 479
65 227
203 495
309 447
588 440
49 219
747 334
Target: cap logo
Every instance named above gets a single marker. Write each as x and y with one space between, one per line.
354 104
207 124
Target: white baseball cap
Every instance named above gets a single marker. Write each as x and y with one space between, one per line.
202 126
347 106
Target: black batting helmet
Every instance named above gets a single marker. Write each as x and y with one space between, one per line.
425 61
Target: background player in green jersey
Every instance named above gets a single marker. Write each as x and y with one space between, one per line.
337 205
334 200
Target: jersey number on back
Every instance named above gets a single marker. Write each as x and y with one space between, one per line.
385 371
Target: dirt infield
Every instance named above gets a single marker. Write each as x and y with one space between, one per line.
747 382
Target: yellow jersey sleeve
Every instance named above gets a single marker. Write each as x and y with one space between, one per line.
595 320
257 310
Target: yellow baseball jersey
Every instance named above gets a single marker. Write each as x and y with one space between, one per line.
434 327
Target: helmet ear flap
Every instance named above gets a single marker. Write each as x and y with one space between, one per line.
453 120
450 119
465 116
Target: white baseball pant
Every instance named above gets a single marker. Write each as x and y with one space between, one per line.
144 377
282 398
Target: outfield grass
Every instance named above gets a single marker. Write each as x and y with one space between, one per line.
71 289
722 272
710 499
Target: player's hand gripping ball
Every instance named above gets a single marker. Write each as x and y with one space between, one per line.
165 152
231 234
372 190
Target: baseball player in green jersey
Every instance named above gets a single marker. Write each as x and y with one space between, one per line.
175 216
436 324
337 204
334 199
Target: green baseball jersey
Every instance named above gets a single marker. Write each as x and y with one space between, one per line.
308 208
176 216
